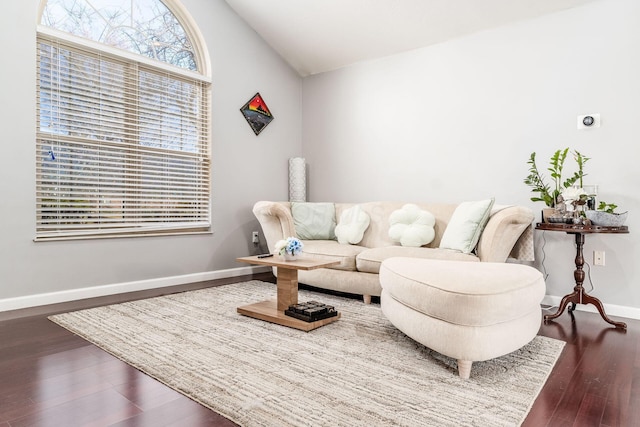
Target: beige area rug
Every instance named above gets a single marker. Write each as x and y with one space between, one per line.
359 371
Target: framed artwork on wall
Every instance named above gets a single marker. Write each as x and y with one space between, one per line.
257 113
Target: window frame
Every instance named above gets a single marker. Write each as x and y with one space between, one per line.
138 62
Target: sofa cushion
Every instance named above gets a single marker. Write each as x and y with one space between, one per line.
331 250
314 220
412 226
369 261
352 225
489 293
466 225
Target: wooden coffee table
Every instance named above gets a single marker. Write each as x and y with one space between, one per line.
287 283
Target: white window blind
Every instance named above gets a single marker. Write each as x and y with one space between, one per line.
122 146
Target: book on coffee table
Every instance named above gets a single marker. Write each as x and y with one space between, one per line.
311 311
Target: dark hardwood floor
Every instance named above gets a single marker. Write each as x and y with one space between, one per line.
50 377
596 381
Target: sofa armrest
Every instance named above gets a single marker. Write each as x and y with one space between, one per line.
502 231
276 221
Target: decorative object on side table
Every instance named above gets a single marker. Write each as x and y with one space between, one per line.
289 249
592 192
606 216
574 199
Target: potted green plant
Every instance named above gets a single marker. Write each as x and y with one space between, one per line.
552 195
580 160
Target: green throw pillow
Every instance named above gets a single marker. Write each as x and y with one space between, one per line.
314 221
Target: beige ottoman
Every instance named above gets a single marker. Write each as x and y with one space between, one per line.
470 311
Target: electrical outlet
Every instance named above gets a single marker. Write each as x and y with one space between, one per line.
255 237
598 258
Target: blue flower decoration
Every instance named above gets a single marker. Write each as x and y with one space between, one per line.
294 246
291 245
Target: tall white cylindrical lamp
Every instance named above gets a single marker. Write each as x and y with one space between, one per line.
297 179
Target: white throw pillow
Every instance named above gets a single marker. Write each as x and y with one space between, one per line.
466 225
412 226
352 225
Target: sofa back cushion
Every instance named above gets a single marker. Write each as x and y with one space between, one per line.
314 221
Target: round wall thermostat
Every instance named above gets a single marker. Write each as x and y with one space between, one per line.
587 120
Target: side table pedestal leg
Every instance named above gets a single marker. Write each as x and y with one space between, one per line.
576 298
573 298
588 299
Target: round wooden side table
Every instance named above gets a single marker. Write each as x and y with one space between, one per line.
579 295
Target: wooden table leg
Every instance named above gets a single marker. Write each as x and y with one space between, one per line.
287 283
579 296
576 296
588 299
573 298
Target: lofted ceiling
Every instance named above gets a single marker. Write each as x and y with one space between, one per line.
314 36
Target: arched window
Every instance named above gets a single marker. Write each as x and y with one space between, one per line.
123 98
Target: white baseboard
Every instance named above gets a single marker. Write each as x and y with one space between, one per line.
28 301
610 309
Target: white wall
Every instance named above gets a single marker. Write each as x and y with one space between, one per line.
457 121
246 168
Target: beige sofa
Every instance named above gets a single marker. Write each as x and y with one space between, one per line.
506 234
